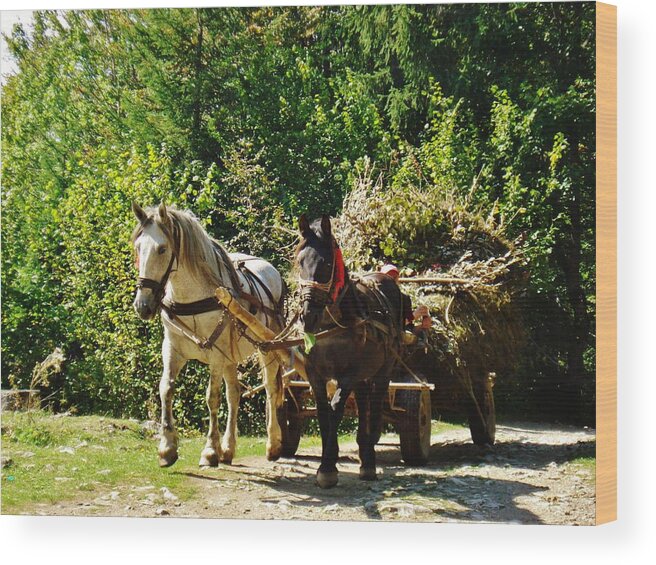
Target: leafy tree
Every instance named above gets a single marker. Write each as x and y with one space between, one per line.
251 116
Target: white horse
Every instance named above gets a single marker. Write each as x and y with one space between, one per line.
180 267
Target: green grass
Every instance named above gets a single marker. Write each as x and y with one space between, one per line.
108 453
586 463
439 427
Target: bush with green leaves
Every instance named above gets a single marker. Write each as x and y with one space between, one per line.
252 116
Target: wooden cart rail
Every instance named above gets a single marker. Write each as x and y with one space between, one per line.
393 386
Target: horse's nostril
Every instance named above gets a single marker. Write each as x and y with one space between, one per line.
143 309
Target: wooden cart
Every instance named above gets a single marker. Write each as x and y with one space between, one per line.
407 408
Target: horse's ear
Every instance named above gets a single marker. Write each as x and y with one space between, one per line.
326 228
139 212
304 225
163 214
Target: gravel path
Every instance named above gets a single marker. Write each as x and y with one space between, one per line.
533 475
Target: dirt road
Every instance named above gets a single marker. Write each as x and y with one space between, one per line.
535 474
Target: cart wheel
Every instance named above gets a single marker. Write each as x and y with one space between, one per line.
291 426
414 425
483 426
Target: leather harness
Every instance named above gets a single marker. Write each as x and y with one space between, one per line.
175 310
330 297
209 304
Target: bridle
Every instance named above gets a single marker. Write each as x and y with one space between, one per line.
159 287
327 294
176 310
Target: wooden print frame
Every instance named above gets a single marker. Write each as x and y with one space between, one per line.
605 384
606 509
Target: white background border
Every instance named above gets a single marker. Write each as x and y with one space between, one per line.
102 540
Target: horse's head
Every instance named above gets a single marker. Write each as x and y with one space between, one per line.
321 269
155 253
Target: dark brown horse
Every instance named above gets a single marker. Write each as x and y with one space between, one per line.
360 358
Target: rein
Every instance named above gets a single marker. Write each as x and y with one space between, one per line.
279 343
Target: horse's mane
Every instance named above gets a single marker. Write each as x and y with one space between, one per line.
203 255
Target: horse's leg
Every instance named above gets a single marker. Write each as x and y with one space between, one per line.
327 472
229 442
330 415
211 453
378 390
273 387
363 396
168 445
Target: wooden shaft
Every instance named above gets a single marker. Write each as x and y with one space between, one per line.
411 386
253 391
260 331
434 280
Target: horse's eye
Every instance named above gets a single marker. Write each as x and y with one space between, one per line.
162 250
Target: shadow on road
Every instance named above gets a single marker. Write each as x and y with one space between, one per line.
462 482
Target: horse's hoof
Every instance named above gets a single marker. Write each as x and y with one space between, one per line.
209 458
273 455
326 479
226 458
167 459
368 474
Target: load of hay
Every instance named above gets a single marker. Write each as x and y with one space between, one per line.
456 260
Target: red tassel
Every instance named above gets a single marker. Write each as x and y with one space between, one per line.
338 282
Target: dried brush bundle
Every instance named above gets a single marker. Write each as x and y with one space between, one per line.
455 259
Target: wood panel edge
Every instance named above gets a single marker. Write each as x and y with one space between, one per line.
606 263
